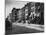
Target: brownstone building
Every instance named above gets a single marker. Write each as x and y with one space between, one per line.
31 13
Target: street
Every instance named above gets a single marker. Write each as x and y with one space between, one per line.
19 28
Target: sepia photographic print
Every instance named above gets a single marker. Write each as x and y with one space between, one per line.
23 17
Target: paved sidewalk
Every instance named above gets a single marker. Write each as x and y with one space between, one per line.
31 26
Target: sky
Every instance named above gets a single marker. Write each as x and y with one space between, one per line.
10 4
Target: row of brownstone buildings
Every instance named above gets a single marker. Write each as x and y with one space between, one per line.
32 13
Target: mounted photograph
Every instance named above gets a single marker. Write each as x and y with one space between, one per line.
24 17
